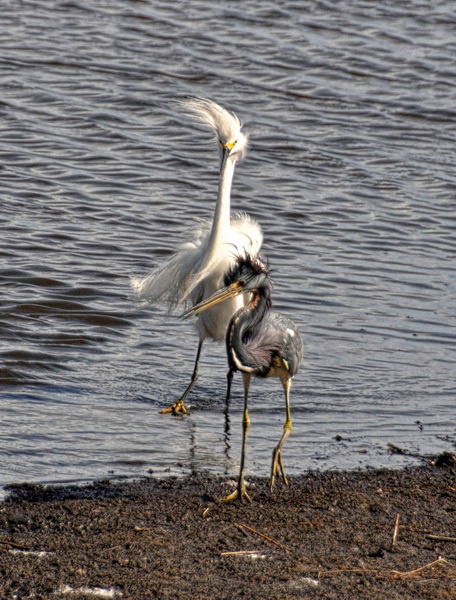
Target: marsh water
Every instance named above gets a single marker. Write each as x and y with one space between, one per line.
351 172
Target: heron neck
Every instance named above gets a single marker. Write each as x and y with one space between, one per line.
244 328
221 223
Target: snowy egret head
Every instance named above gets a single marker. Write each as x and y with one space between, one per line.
226 126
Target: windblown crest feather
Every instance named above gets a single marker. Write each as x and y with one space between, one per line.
225 124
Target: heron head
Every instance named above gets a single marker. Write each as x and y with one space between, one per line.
249 274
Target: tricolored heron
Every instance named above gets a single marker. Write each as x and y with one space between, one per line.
199 268
260 343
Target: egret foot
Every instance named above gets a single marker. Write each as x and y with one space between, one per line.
178 408
239 494
277 468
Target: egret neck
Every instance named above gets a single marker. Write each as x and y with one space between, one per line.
221 224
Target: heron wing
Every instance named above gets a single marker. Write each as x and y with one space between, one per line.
261 350
280 335
292 350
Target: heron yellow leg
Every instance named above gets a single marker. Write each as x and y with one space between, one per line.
241 492
179 408
277 467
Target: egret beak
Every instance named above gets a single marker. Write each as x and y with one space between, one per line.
226 151
230 291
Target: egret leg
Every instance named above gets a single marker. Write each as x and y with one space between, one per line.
277 467
179 406
240 492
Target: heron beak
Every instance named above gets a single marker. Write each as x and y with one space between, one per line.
230 291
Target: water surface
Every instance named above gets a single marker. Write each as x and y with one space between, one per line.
351 173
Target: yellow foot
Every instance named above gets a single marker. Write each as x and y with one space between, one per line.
239 494
277 469
178 408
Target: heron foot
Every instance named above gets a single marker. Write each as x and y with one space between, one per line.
239 494
178 408
277 468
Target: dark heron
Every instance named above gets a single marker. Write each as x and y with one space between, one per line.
260 343
198 268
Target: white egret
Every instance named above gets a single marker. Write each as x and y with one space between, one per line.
199 268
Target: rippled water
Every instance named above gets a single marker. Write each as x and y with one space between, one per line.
351 111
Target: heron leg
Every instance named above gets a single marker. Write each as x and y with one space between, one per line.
229 380
227 416
277 467
179 406
241 492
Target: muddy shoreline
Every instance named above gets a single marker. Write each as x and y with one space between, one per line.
373 534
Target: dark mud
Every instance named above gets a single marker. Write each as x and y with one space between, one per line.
346 535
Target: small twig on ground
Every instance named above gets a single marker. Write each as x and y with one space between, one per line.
396 530
389 573
405 574
266 537
393 449
234 552
13 545
441 538
349 570
243 531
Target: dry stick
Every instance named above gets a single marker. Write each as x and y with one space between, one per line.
241 529
336 571
411 573
234 552
404 574
13 545
396 530
441 538
266 537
